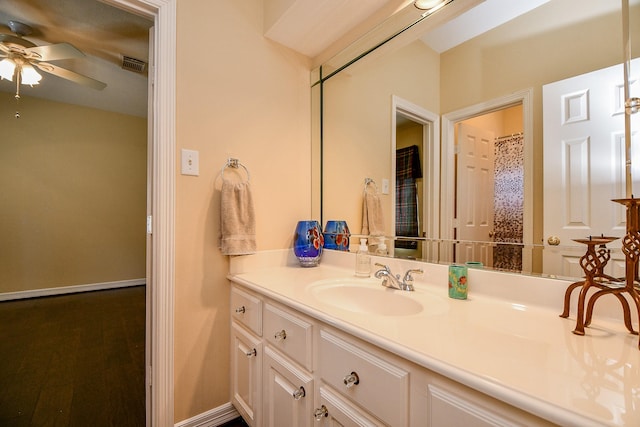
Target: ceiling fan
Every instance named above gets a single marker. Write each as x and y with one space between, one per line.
19 59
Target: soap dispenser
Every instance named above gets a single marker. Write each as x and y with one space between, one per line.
363 260
382 248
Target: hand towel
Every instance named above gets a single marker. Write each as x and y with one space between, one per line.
372 217
237 219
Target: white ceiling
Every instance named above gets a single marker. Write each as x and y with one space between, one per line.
103 33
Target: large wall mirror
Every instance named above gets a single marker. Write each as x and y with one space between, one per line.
468 122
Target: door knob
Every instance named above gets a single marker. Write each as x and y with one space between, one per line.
553 240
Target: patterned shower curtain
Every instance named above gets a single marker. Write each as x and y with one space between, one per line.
408 169
509 201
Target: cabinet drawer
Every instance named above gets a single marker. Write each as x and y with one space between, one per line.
289 333
368 380
246 309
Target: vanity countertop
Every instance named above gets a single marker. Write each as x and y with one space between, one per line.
522 354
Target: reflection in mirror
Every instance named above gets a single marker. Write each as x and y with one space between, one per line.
515 60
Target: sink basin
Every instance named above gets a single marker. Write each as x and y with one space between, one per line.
365 296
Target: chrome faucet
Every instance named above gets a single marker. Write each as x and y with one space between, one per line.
394 282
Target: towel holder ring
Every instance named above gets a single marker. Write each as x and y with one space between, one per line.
235 163
368 181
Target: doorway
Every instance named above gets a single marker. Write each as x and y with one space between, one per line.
490 118
415 153
490 188
161 212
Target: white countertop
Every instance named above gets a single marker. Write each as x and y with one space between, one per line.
518 352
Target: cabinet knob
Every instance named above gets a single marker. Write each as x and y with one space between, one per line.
299 393
320 413
282 335
240 309
252 353
351 380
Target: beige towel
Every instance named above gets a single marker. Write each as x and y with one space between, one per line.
372 217
237 219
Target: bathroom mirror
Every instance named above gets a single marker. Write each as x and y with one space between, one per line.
412 86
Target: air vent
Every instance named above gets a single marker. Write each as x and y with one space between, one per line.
133 64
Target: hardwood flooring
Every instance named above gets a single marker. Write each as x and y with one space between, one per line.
73 360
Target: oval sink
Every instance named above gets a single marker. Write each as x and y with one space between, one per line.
365 296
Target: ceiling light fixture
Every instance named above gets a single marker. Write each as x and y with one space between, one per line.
23 72
427 4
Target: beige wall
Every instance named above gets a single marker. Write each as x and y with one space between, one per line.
73 191
357 126
238 95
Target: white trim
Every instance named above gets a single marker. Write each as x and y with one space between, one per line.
162 283
524 97
211 418
62 290
431 151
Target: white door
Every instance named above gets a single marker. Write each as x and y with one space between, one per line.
584 158
474 210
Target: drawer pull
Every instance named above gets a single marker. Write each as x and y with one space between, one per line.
320 412
299 393
351 380
241 310
251 353
282 335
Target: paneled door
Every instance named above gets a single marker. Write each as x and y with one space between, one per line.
584 167
475 194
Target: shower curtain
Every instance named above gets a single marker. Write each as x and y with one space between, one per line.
508 201
408 169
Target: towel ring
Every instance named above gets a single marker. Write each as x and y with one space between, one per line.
235 163
368 181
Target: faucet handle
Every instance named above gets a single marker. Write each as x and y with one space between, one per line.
384 267
408 276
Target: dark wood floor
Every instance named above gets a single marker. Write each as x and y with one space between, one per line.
73 360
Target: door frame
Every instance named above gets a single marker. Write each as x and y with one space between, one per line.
161 192
449 120
430 161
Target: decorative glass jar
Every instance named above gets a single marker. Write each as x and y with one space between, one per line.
308 242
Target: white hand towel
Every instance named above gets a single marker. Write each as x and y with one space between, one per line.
237 219
372 216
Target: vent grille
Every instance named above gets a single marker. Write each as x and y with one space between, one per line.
133 64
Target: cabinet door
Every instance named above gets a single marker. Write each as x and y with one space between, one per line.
333 410
246 374
288 393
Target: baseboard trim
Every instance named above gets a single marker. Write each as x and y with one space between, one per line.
212 418
8 296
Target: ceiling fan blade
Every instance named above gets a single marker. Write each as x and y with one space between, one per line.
18 41
4 49
70 75
54 52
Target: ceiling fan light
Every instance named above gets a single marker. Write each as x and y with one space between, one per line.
427 4
29 75
7 68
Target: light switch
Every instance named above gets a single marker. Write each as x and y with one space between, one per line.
190 162
385 186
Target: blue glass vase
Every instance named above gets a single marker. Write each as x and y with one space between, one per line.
308 242
336 235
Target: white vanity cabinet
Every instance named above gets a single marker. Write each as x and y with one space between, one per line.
364 377
288 385
246 355
289 369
